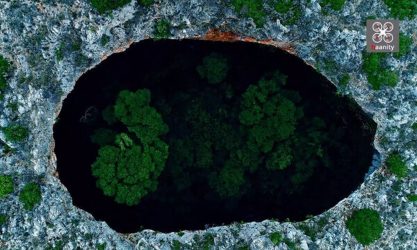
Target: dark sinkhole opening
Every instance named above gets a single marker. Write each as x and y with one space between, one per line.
181 135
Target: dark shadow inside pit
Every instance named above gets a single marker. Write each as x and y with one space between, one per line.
167 67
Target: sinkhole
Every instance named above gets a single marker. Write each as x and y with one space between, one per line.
181 135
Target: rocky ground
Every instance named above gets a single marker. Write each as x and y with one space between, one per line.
31 33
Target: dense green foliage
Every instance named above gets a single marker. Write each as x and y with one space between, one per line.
375 72
4 70
214 68
276 238
162 29
30 195
6 185
251 8
104 6
365 225
129 162
336 5
396 165
15 133
405 45
402 9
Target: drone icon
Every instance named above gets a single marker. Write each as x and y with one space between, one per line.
382 32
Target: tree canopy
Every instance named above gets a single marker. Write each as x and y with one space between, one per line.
129 162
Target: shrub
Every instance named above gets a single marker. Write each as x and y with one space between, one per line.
204 241
4 70
15 133
30 195
105 6
146 3
3 219
162 29
276 238
377 75
344 79
336 5
402 9
365 225
6 185
127 167
59 52
396 165
251 8
290 10
214 68
104 40
412 197
405 45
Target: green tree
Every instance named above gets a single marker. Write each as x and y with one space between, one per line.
15 133
162 29
269 116
229 181
6 185
365 225
214 68
396 165
30 195
128 167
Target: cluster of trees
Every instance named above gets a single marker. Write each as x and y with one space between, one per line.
236 142
230 142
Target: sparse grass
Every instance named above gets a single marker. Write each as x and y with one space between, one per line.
30 195
396 165
6 185
402 9
365 225
15 133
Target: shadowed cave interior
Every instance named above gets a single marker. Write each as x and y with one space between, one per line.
201 89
